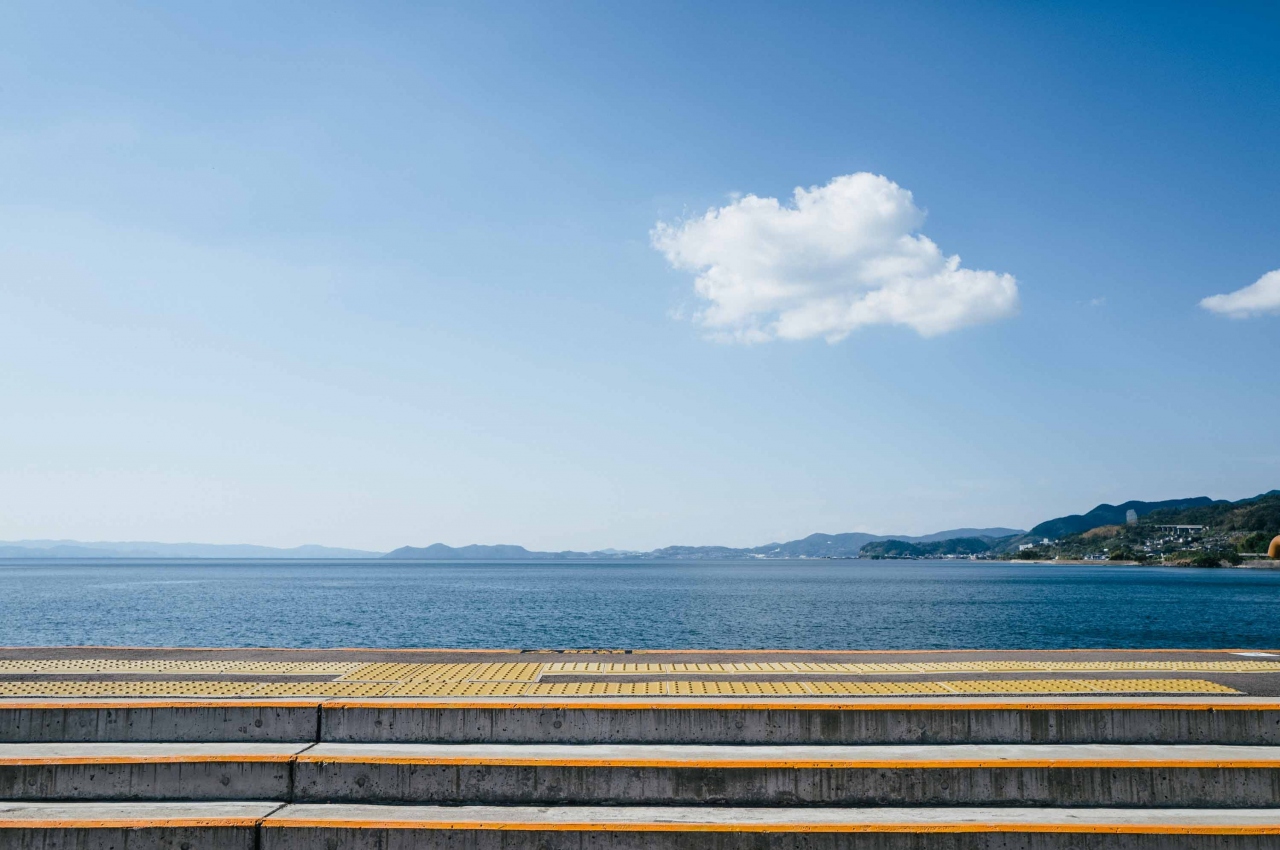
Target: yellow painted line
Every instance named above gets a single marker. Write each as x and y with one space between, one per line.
63 705
853 826
790 764
1111 650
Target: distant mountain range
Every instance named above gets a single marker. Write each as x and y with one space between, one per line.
813 546
141 549
849 545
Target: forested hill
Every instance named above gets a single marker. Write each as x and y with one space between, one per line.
1253 514
1113 515
933 549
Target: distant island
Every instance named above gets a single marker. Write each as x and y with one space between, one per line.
1196 531
814 546
145 549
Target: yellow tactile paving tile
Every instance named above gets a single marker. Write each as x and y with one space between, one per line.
425 689
388 672
496 672
771 689
129 689
459 689
323 689
292 668
908 668
1090 686
506 673
91 666
441 672
838 689
590 689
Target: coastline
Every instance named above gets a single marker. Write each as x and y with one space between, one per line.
1080 562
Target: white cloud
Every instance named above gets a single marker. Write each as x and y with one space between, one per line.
1261 296
839 257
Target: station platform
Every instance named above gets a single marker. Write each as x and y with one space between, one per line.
415 749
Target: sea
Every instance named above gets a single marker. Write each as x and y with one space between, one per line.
800 604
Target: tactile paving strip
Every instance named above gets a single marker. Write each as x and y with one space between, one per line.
501 672
90 666
129 689
194 688
532 672
597 668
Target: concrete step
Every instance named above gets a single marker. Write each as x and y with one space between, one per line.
356 827
213 720
132 826
1170 720
529 774
547 774
250 826
147 771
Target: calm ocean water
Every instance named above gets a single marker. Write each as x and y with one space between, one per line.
741 604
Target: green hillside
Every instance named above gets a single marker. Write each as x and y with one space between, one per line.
1199 535
958 546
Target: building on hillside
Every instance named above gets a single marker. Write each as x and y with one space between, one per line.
1182 530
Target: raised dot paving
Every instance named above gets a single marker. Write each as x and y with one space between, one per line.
144 673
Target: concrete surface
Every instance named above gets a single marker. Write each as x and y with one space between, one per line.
791 776
170 720
637 755
131 826
649 819
146 771
1018 721
402 828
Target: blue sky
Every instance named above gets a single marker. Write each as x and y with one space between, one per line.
385 273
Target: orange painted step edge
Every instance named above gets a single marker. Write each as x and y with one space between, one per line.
304 823
525 761
125 823
150 702
844 764
205 758
650 826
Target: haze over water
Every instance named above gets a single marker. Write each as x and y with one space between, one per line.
646 604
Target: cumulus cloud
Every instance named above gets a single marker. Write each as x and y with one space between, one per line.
1261 296
836 258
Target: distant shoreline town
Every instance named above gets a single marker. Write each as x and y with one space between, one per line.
1198 531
